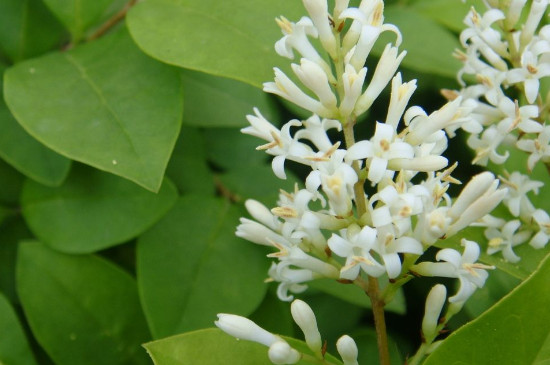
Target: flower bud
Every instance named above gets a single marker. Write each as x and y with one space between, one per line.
434 304
305 319
281 353
348 350
244 329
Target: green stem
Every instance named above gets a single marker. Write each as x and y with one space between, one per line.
371 288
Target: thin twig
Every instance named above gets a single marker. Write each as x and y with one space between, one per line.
111 22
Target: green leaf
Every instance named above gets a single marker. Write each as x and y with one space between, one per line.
12 231
353 294
213 347
256 182
192 266
497 285
282 323
26 154
12 182
514 331
81 309
93 105
228 148
27 29
14 348
225 38
429 45
92 210
368 348
233 100
448 13
78 15
188 167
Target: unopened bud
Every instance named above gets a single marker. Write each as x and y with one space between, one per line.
305 319
281 353
347 348
434 304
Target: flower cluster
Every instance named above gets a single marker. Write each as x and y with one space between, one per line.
507 53
331 228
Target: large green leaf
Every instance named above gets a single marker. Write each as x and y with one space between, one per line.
282 323
12 231
188 167
256 182
14 349
78 15
81 309
429 45
449 13
515 331
26 154
94 105
12 182
497 286
192 266
27 29
233 100
213 347
368 349
226 38
92 210
228 148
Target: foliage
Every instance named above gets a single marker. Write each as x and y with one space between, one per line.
123 175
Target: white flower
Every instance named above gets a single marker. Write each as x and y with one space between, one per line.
372 25
514 12
400 96
480 29
471 275
315 130
516 200
539 148
287 89
505 239
479 197
531 71
280 142
520 117
353 87
540 239
382 148
337 179
389 247
355 245
295 37
296 257
422 127
385 70
397 209
318 11
289 279
486 146
315 79
538 7
258 233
